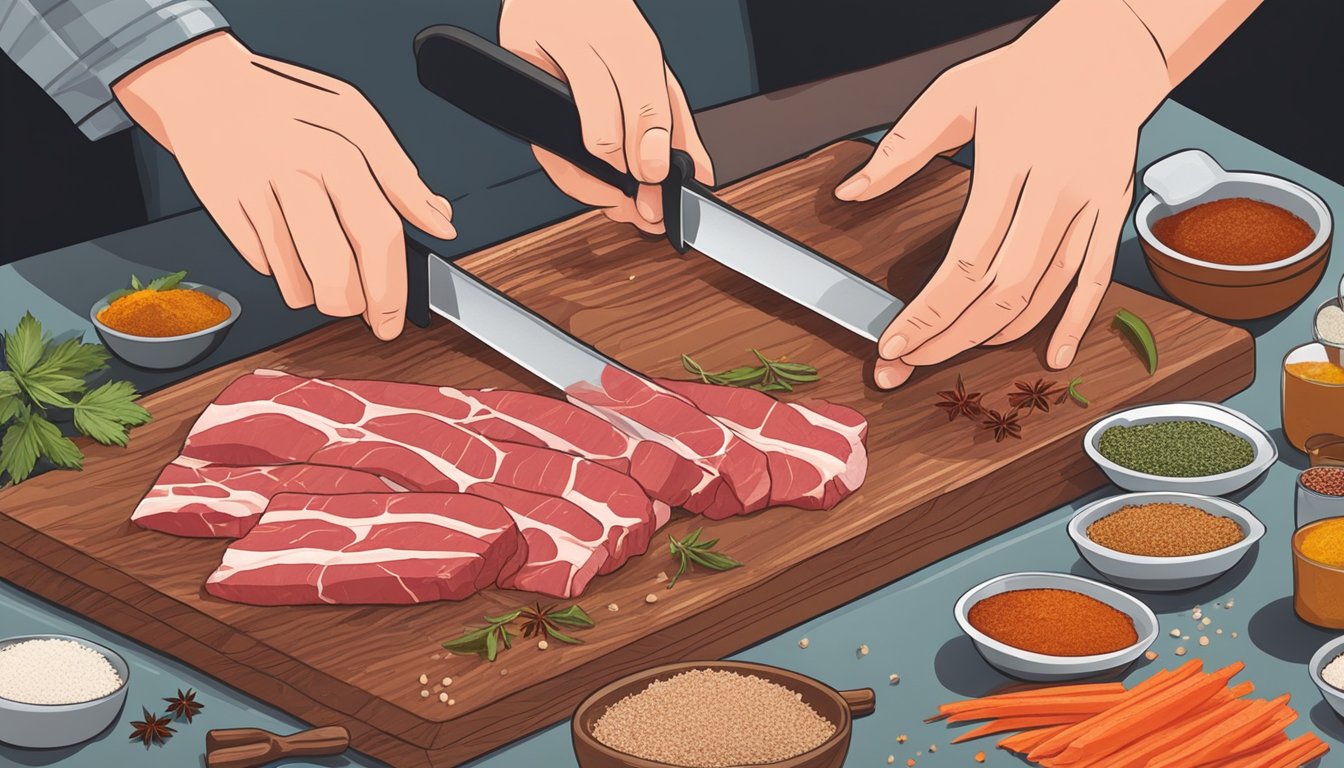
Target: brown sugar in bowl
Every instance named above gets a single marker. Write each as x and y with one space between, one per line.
1239 291
839 707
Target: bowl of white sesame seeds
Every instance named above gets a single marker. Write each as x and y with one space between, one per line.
715 714
58 690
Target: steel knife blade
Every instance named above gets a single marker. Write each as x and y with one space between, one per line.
511 94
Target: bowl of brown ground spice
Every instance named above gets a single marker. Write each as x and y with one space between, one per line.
712 714
1237 245
1048 627
1164 541
165 329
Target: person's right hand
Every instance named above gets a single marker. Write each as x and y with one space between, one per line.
632 107
298 170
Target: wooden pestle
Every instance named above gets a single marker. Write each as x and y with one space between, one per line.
251 747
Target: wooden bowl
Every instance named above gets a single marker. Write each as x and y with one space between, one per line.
840 707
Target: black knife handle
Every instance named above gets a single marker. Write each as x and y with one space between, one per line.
499 88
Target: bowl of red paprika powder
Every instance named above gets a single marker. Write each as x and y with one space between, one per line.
167 329
1237 245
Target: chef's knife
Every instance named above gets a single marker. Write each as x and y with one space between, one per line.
498 87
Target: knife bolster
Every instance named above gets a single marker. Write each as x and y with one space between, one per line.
680 173
417 283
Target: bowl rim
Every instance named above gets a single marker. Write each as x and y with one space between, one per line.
235 309
1259 462
1325 654
1150 202
1253 527
842 728
99 647
1122 601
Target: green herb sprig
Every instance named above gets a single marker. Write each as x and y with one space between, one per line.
1075 394
769 376
42 376
163 283
692 550
488 641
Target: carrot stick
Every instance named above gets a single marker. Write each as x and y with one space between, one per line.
1138 755
1066 691
1023 742
1225 737
1017 724
1153 686
1251 753
1083 706
1292 754
1158 710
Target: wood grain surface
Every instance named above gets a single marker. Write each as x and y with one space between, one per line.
933 487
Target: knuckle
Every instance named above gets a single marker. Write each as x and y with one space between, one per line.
603 144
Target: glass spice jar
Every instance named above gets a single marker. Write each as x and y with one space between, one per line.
1310 406
1318 502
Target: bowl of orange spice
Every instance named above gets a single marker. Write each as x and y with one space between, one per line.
1232 244
165 323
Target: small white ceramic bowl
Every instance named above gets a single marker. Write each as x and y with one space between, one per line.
1163 574
1040 667
167 352
1266 453
1328 652
47 726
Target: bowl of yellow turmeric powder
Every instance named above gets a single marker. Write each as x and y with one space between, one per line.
166 323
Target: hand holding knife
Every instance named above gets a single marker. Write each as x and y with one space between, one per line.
511 94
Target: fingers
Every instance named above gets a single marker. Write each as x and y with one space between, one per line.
374 231
1063 267
937 122
328 257
636 66
965 271
588 190
401 184
281 255
1093 279
233 220
1038 226
890 374
684 134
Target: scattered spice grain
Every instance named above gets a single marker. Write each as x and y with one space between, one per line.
894 679
650 598
1055 622
1327 481
707 718
901 739
447 681
424 694
891 759
1204 640
863 650
1180 650
1150 655
443 697
1164 529
613 607
803 643
979 757
1235 231
1175 633
424 679
1181 448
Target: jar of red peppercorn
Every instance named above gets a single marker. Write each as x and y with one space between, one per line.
1320 494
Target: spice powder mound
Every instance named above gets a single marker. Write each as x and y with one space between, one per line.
1164 530
155 314
1237 230
1183 448
708 718
1055 622
1324 542
1321 372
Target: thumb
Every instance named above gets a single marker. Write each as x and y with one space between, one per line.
931 126
398 177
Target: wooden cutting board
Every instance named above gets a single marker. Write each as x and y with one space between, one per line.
933 487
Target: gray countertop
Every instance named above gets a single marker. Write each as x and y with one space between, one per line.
908 624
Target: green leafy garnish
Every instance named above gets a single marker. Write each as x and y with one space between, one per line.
1075 394
769 376
486 641
163 283
692 550
1138 333
43 375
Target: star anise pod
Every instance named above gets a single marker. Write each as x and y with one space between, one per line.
152 730
1035 397
548 622
184 705
958 402
1005 425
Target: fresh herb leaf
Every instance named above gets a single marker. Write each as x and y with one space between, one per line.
769 376
24 345
166 282
573 616
20 448
136 285
1139 334
107 413
55 447
488 641
113 296
72 358
10 402
691 550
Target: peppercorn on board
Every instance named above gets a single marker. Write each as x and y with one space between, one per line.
933 486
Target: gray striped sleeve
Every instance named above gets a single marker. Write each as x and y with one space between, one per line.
76 49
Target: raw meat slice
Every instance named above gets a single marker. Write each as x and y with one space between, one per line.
737 479
596 517
207 500
814 460
369 548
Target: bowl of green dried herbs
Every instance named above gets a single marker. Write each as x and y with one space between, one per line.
1190 447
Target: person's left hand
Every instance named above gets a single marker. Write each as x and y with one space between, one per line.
1055 116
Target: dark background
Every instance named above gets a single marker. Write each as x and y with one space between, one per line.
1277 81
